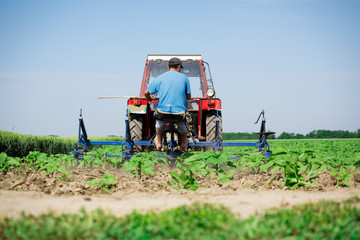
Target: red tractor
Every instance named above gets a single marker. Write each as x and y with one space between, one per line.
204 108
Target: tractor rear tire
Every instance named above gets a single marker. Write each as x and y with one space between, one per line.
136 131
193 124
211 128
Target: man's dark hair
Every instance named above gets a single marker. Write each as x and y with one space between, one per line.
171 65
175 62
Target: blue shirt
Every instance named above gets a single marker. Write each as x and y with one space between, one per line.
172 87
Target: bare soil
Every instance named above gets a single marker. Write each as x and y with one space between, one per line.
249 192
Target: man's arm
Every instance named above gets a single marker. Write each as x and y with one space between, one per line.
188 89
149 96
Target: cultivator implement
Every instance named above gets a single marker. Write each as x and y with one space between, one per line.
203 118
128 145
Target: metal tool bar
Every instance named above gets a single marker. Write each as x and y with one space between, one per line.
200 144
108 142
239 144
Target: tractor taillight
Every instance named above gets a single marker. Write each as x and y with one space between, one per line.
211 103
137 102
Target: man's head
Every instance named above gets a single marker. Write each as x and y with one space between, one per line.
175 63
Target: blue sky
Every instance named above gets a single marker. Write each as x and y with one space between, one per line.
297 59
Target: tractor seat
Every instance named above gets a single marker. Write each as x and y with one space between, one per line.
170 117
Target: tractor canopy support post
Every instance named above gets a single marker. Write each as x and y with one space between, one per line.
217 126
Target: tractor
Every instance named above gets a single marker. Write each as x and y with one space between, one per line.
203 119
204 108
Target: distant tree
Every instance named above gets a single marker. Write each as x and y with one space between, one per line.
240 136
311 134
285 135
331 134
299 136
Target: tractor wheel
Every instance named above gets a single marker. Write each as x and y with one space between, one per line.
193 124
211 128
136 130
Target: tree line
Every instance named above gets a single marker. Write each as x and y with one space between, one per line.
285 135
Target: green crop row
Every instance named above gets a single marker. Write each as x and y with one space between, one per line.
323 220
19 145
295 164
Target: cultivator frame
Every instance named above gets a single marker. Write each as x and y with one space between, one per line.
83 144
203 117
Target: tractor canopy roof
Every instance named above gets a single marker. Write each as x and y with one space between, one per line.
167 57
194 69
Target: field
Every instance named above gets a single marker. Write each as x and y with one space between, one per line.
246 183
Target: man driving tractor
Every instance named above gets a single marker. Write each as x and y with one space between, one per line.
174 90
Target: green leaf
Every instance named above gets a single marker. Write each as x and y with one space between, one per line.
231 164
94 182
128 166
334 171
148 162
267 166
275 169
194 186
197 165
171 183
147 170
82 163
3 157
225 177
176 177
107 179
185 180
203 172
64 171
346 183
